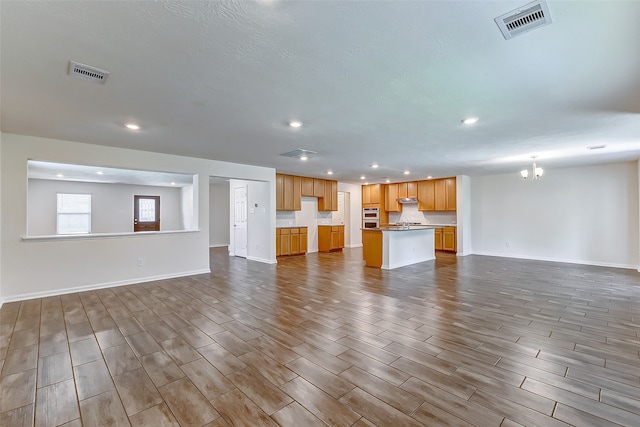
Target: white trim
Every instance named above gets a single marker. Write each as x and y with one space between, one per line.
464 254
218 246
101 286
354 246
102 235
264 260
566 261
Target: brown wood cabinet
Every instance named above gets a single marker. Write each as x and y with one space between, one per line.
291 241
437 195
291 188
330 238
279 192
288 193
329 201
450 194
426 195
391 198
372 248
412 189
371 196
445 239
318 187
307 187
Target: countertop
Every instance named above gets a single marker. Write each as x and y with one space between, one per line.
293 226
401 228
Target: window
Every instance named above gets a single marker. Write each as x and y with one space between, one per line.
74 213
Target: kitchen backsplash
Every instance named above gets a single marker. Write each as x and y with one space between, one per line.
410 213
296 218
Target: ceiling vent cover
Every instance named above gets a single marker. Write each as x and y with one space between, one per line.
299 153
86 72
524 19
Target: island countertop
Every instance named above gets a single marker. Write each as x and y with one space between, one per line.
387 249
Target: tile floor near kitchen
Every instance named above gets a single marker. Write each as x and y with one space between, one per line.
321 340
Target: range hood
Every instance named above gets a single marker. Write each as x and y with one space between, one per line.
407 200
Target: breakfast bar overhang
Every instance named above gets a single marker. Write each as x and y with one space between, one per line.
393 247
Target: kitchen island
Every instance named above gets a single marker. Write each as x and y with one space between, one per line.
396 246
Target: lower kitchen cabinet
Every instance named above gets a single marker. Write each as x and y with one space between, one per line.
291 241
330 238
445 239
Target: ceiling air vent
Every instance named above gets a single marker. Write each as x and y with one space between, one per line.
86 72
299 153
524 19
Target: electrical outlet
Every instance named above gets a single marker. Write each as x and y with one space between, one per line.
507 244
140 262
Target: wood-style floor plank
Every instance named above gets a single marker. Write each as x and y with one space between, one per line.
322 340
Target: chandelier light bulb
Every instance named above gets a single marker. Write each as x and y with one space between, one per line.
536 172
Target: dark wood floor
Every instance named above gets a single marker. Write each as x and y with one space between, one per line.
322 340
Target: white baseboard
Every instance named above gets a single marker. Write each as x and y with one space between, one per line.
354 246
566 261
218 246
105 285
264 260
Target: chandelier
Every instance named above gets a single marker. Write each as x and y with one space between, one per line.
536 171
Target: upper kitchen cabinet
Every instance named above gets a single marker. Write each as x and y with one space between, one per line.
408 189
329 201
391 197
371 195
427 195
318 187
450 198
291 188
307 186
446 194
437 195
288 193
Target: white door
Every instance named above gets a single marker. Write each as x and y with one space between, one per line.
240 221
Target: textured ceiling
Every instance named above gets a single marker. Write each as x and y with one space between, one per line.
383 82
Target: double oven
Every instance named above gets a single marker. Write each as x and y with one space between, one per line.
370 217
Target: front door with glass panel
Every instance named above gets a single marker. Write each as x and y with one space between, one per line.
146 213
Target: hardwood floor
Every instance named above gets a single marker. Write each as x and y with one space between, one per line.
322 340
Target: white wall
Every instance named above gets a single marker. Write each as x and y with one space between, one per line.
219 225
186 201
463 215
111 205
583 215
41 267
355 213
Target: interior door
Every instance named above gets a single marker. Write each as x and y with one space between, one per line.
146 213
240 221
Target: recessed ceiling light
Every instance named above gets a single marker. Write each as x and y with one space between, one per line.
388 180
406 172
362 177
366 183
132 126
329 172
304 157
100 173
295 124
60 175
469 120
173 183
375 165
596 147
429 177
